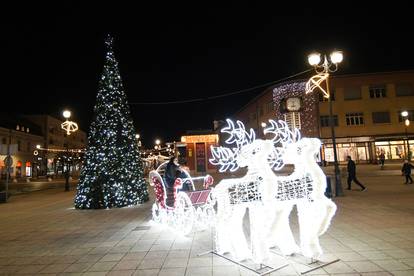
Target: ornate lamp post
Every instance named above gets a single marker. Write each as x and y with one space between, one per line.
323 71
404 115
69 127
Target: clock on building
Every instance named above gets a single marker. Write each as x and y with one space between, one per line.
293 104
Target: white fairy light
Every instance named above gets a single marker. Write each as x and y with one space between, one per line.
269 204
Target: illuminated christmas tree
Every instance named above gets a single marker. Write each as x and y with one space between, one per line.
112 175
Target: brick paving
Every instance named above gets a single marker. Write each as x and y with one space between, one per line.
42 234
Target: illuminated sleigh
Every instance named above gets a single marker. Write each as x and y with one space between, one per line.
182 210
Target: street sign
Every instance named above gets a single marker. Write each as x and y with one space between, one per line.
8 161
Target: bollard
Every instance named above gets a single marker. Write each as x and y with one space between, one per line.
328 191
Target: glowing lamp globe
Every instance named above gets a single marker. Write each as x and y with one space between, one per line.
137 136
314 59
38 146
337 57
404 113
157 142
407 122
263 124
66 114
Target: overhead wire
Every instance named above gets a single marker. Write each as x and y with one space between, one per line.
223 94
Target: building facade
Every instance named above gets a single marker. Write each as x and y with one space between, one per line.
26 134
366 113
55 139
195 151
22 136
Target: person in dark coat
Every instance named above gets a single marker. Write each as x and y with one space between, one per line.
352 174
382 160
406 170
171 172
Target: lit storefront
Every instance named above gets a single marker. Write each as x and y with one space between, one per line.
197 152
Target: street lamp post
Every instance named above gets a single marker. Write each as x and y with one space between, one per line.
69 127
404 115
322 76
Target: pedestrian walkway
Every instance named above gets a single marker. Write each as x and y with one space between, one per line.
42 234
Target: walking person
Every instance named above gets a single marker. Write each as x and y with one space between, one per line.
352 174
406 170
382 159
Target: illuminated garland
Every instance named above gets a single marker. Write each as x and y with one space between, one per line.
309 112
112 175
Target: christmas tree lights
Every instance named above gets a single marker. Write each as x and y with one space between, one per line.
112 175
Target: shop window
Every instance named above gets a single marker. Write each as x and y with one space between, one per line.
352 93
323 99
405 89
354 119
377 91
381 117
325 120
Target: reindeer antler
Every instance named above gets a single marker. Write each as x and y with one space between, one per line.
226 157
282 136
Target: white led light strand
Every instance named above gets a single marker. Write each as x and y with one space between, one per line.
270 197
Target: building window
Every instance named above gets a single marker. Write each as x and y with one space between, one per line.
27 130
28 146
19 145
410 116
293 120
325 120
270 107
3 140
403 90
354 119
323 99
377 91
51 141
352 93
381 117
17 127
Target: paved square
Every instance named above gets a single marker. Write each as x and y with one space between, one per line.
41 233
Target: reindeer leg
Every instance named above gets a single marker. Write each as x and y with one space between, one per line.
280 234
329 213
240 248
309 218
258 231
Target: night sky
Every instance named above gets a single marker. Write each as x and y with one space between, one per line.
52 57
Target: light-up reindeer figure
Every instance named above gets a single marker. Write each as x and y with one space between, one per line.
269 197
305 187
252 191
